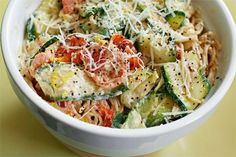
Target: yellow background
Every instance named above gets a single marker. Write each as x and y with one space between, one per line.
21 135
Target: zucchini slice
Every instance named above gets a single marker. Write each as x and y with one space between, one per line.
48 43
134 120
136 117
147 105
140 84
149 111
85 28
45 46
66 82
159 53
156 117
199 87
176 20
192 60
120 118
31 32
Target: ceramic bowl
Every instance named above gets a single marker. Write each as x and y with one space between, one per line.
107 141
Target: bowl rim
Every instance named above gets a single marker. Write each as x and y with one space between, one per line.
112 132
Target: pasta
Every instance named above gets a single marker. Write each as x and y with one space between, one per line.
120 63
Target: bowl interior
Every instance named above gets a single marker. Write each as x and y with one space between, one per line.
216 17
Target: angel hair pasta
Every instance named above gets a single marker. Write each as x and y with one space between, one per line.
120 63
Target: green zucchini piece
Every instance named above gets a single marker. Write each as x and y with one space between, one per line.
140 84
117 121
199 87
48 43
105 32
120 118
161 88
31 32
89 11
149 111
66 82
144 43
147 105
136 117
176 20
134 120
160 54
192 60
84 28
156 117
45 46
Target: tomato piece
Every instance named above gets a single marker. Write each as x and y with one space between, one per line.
66 58
178 55
106 114
61 104
70 55
62 55
61 50
69 5
77 58
178 52
135 62
106 70
117 39
76 41
123 44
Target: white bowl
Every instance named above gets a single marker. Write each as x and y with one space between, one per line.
108 141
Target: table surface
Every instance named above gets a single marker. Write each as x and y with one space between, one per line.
22 135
